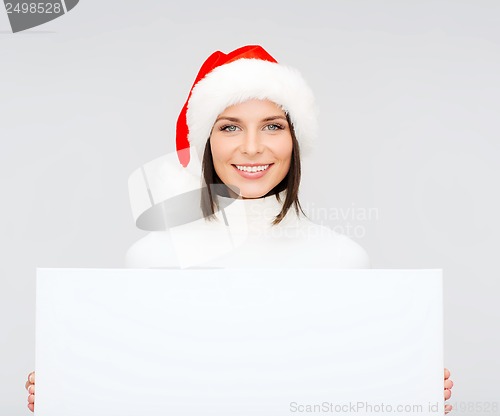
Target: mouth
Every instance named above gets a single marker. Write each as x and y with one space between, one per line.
253 171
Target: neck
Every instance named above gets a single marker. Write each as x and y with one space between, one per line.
259 212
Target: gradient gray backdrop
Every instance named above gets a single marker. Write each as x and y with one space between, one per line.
409 98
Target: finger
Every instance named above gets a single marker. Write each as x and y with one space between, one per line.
31 389
31 377
447 408
31 398
27 385
446 373
447 394
31 406
448 384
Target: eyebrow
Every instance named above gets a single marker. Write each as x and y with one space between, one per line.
237 120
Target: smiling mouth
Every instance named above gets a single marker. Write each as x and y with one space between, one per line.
252 168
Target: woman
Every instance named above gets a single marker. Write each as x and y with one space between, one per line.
252 119
260 121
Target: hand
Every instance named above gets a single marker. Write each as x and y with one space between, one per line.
30 386
448 384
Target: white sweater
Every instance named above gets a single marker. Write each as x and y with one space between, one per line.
249 242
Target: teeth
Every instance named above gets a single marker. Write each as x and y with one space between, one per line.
252 168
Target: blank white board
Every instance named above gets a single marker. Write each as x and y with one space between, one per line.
238 342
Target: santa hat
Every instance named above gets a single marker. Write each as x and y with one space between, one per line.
246 73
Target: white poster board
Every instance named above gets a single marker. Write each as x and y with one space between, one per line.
238 342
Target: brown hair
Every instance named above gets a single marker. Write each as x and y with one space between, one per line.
290 182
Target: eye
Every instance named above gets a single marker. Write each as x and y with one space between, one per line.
275 127
229 128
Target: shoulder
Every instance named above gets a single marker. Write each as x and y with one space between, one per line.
153 250
352 254
339 250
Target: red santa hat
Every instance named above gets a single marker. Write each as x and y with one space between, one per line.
246 73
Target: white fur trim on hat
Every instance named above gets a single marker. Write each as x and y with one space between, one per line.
246 79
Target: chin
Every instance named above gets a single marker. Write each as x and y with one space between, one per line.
253 193
253 196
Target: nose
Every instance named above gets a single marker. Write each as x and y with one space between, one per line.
252 142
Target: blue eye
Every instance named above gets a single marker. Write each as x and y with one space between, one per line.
229 128
275 127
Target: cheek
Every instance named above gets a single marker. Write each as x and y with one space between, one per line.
222 148
220 156
218 151
283 150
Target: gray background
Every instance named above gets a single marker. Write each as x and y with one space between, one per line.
409 99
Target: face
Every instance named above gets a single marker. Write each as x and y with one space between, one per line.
251 147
